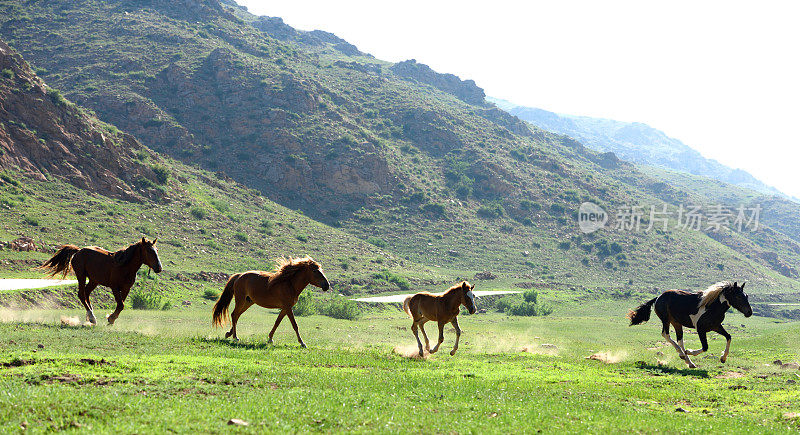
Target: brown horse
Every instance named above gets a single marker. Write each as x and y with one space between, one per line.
278 289
442 308
116 270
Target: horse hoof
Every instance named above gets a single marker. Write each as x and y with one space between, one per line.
452 352
722 360
269 341
303 345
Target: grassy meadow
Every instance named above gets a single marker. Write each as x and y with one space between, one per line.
170 371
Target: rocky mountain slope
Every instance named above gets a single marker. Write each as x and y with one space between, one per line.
635 142
43 134
413 161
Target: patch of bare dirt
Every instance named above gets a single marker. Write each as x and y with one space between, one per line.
730 375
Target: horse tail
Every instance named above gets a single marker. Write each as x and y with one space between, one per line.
406 305
60 263
642 313
221 307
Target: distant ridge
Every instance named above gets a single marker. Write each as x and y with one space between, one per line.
637 143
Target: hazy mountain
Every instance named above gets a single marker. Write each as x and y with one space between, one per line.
635 142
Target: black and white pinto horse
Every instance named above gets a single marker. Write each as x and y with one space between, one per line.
703 311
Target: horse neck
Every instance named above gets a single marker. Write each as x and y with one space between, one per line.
453 298
299 281
136 262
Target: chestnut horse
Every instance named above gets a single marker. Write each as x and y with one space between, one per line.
278 289
443 308
115 270
703 310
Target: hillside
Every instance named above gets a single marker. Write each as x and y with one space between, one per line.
412 161
635 142
66 177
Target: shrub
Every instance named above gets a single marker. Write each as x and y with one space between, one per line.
301 237
199 212
220 205
340 308
240 236
30 221
7 73
162 173
528 305
530 296
211 295
145 300
434 208
305 305
56 96
564 245
377 242
491 211
394 278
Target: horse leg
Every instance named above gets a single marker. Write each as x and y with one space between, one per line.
241 306
422 323
679 336
87 291
82 296
441 337
665 334
458 335
721 331
120 305
290 314
414 329
274 327
703 341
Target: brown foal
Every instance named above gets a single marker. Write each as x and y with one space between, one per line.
443 308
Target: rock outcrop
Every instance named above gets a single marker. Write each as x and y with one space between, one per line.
42 134
465 90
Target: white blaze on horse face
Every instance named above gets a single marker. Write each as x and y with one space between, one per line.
471 297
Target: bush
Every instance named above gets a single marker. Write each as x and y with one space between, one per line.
221 206
199 212
305 305
434 208
146 300
340 308
211 295
240 236
377 242
30 221
56 96
7 73
491 211
401 281
162 173
527 306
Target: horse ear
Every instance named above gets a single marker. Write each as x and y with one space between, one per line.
472 286
143 240
155 240
464 285
742 287
736 284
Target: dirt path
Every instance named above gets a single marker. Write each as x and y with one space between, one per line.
25 284
401 298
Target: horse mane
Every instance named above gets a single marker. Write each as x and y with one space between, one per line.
453 288
711 294
287 267
125 255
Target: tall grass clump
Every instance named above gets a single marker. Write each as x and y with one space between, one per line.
305 305
340 308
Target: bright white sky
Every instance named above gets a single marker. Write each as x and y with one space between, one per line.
723 77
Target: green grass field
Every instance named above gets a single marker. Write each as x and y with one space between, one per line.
169 371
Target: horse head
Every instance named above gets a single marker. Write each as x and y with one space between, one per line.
468 297
317 277
737 298
150 254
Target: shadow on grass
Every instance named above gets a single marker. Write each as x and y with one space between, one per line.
666 370
233 344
